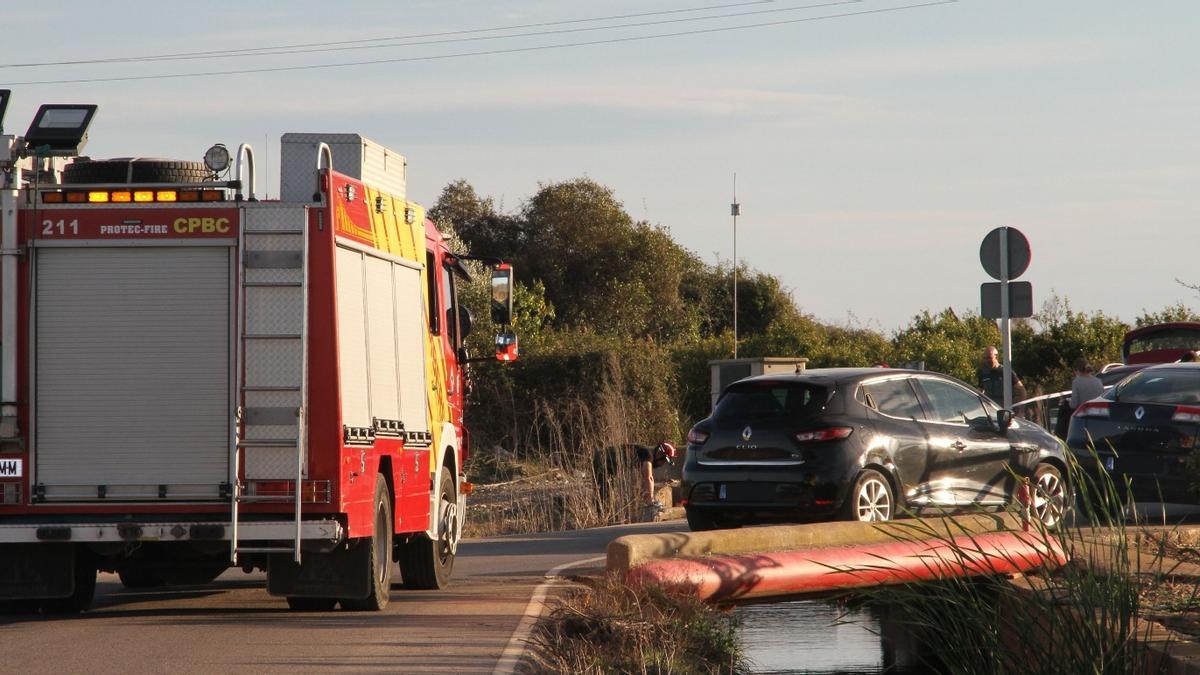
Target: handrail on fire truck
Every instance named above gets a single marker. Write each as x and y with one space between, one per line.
9 253
322 151
244 150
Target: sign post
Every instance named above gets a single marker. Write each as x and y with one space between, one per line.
1005 255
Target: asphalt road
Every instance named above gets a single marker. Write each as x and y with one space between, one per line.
233 625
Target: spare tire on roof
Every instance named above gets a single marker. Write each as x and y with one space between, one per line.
135 170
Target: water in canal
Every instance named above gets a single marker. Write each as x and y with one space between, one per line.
813 636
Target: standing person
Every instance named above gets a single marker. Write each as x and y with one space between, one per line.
991 378
1084 387
648 460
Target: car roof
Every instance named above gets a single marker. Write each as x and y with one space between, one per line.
1177 366
826 376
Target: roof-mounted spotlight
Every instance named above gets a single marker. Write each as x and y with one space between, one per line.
59 130
217 158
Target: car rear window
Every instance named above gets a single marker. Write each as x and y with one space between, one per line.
1176 385
770 402
1167 338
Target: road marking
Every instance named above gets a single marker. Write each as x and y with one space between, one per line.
516 644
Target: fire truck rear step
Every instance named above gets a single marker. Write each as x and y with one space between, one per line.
272 358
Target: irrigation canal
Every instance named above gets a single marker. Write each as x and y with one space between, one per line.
817 636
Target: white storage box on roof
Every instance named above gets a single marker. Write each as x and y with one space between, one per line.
353 156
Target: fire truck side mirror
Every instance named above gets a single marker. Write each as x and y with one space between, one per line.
506 346
502 294
466 322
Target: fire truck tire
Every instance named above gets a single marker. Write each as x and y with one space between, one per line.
299 604
378 560
424 562
139 576
85 589
135 170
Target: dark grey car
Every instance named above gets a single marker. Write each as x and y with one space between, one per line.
1142 432
862 444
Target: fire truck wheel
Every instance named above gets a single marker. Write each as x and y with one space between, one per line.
135 170
139 576
311 604
85 589
379 555
425 563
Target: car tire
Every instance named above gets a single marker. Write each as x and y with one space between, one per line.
700 521
1051 496
870 499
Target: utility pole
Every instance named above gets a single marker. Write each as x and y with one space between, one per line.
735 210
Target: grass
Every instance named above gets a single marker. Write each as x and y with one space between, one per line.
611 627
1083 617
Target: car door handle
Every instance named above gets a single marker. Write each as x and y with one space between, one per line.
958 445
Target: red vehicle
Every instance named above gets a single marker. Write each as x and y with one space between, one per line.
1160 343
193 379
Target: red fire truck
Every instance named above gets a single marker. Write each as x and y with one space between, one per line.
193 379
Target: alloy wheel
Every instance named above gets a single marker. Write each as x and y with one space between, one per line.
449 529
1049 498
874 501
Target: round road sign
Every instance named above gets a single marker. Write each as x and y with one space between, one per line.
1018 253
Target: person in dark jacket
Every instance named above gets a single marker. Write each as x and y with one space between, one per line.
607 463
991 378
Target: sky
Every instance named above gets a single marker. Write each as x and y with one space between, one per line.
875 142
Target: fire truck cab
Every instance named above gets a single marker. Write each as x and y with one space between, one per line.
193 379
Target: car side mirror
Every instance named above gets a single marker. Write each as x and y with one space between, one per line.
506 346
502 294
1004 419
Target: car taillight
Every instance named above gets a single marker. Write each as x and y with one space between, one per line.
1092 409
828 434
1186 413
697 437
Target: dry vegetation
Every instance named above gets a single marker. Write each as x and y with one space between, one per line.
572 468
609 627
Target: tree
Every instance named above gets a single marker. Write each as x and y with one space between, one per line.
946 343
1179 312
601 270
1045 358
476 223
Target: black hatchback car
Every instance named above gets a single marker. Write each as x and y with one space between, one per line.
1142 430
862 444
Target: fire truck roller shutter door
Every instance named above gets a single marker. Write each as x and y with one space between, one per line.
381 338
352 339
411 342
132 368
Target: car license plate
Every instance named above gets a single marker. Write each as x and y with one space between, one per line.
1110 462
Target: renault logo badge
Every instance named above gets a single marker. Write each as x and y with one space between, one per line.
1140 412
747 433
